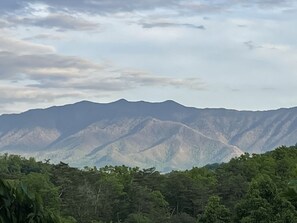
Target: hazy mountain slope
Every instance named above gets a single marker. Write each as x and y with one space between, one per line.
167 134
250 131
140 142
165 144
27 139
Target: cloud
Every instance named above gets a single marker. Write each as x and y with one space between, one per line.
114 6
4 23
31 95
43 68
111 6
61 22
9 44
45 36
171 45
169 24
242 26
145 79
10 6
65 15
251 45
21 59
119 80
266 3
97 7
122 80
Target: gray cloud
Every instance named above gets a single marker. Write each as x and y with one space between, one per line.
110 6
145 79
97 7
169 24
4 23
251 45
114 6
66 14
42 68
242 26
23 59
61 22
126 80
122 80
266 3
10 6
31 95
46 36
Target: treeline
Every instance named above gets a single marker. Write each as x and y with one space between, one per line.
251 188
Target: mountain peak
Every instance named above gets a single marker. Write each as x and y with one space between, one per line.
120 101
165 134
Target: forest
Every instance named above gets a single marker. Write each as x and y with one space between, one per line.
250 188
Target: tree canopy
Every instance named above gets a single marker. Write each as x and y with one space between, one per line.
250 188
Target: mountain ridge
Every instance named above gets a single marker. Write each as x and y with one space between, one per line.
142 132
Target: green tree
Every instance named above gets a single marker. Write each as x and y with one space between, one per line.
18 206
182 193
40 184
142 200
182 218
215 212
263 204
138 218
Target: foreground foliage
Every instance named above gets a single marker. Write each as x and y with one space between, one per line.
17 205
251 188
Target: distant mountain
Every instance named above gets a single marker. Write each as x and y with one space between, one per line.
166 135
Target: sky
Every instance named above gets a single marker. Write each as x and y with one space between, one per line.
239 54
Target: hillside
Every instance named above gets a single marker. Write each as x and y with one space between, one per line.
166 135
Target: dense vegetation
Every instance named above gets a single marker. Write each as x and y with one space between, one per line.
251 188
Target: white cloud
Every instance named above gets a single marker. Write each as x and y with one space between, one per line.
10 44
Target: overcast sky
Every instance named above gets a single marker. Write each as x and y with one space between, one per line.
239 54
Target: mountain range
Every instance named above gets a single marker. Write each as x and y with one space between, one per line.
166 135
